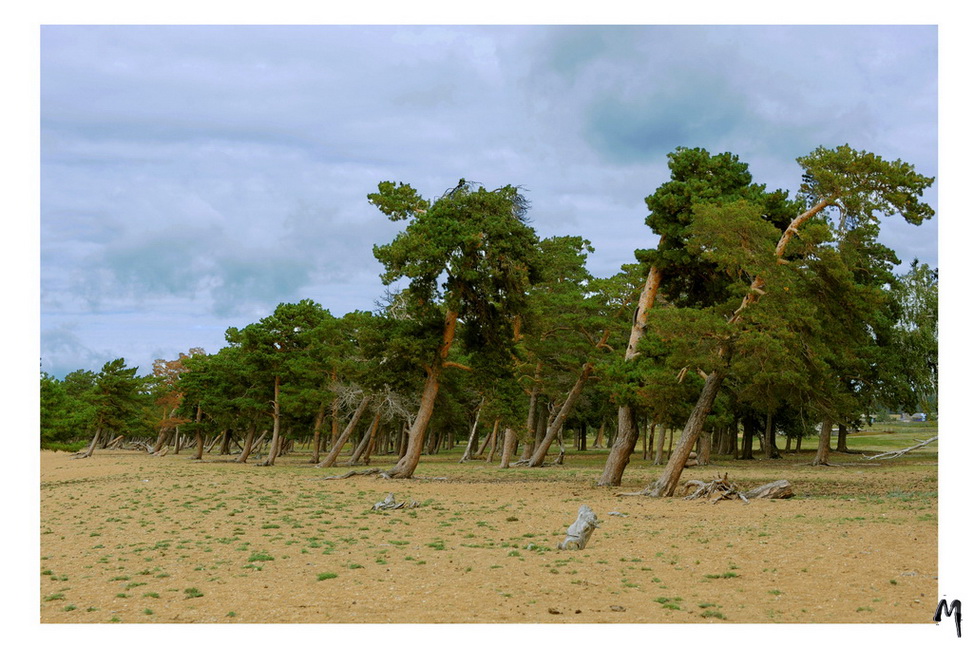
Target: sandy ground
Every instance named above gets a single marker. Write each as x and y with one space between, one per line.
129 538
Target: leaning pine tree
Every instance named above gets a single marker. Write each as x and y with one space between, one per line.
469 257
855 184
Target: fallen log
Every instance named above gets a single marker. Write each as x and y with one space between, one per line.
776 489
900 453
580 530
722 489
351 473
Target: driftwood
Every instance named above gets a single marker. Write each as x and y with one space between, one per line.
351 473
381 473
389 503
580 530
776 489
722 489
900 453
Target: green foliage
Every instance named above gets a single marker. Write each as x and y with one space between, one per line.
861 185
65 412
471 250
699 179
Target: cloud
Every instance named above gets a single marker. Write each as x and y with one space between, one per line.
201 175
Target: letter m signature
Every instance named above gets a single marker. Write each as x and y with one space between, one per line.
954 607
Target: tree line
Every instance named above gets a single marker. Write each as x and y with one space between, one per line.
756 310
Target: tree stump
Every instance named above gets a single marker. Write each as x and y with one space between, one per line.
580 530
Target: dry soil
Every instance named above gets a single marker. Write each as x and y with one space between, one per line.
126 537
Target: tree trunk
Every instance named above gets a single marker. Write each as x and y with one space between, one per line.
225 444
366 439
627 434
407 464
824 443
660 447
537 459
332 455
770 441
530 442
842 445
248 444
666 484
487 440
91 447
316 440
468 453
335 428
669 480
199 434
509 447
647 441
600 437
275 437
746 451
621 451
372 444
493 440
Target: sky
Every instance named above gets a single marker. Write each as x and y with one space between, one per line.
192 178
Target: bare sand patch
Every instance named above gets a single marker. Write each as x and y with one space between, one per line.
129 538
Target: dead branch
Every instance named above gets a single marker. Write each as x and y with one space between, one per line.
722 489
901 452
371 471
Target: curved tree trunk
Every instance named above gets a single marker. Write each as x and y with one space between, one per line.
666 484
627 435
248 445
537 459
91 447
366 440
407 464
622 449
332 455
468 453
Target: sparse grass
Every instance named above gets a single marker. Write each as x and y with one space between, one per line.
194 524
